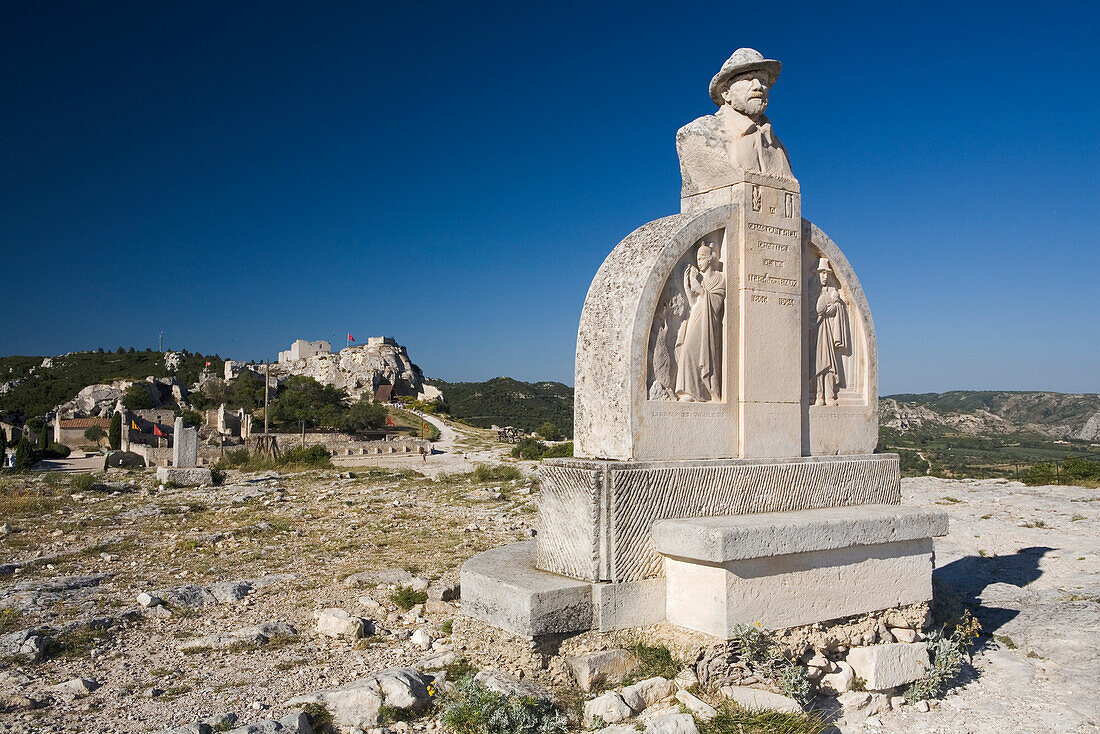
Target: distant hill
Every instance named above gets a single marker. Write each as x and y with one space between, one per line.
1057 415
34 386
506 402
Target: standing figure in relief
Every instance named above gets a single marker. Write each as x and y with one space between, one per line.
831 335
699 341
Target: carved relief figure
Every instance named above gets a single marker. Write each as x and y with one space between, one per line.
830 335
665 325
739 134
699 340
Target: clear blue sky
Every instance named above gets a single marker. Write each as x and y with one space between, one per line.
242 174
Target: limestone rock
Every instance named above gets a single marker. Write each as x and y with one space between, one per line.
437 660
78 687
672 724
500 682
353 706
593 668
891 665
610 708
188 596
445 592
334 622
841 680
294 723
396 576
645 693
147 600
404 688
422 639
184 477
755 699
257 634
700 708
230 591
904 635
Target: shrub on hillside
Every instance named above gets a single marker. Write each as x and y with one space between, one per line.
95 433
114 433
136 397
529 448
550 431
56 451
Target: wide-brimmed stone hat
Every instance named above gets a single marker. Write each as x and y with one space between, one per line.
824 266
743 59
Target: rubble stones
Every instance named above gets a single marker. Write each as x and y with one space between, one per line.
188 596
592 669
230 591
294 723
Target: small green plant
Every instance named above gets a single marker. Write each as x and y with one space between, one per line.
407 597
502 473
83 482
1006 641
767 658
733 719
9 619
447 626
654 660
471 708
948 501
1040 524
949 651
319 717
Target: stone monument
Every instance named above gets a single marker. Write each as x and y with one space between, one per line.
185 449
726 414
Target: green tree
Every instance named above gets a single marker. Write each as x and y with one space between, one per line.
136 397
94 433
365 416
550 431
25 457
114 433
303 398
43 438
3 450
529 448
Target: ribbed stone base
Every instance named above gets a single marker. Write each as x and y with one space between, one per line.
595 516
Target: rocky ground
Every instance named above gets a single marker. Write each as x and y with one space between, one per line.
235 577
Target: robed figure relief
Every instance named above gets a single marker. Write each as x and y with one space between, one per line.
831 337
699 340
686 338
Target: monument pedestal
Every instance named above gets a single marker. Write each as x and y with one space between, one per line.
711 341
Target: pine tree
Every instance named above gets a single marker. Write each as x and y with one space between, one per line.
114 434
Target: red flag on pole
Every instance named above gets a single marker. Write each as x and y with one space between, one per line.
158 432
351 338
207 364
389 422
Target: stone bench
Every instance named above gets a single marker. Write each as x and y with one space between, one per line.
784 569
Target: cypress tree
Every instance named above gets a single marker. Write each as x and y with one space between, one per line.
114 433
24 456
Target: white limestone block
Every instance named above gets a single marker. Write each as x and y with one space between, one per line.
755 699
594 668
645 693
609 707
334 622
887 666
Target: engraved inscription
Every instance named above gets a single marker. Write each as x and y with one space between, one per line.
779 247
772 230
786 301
769 263
757 298
773 279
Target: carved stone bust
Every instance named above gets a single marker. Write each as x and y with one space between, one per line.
714 149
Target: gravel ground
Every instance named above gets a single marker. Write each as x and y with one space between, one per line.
1026 557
